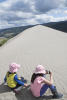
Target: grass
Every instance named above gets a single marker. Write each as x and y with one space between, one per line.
3 40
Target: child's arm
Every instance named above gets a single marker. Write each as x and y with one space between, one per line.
49 82
18 81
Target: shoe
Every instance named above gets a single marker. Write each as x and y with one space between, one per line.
17 92
56 94
23 80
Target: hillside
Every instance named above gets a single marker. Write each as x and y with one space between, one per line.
6 34
61 26
11 32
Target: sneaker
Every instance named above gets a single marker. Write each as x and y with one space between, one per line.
58 96
23 80
16 91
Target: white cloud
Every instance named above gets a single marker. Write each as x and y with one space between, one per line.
5 24
32 21
26 12
65 12
44 18
23 14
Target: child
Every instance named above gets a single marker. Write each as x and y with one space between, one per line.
39 84
12 79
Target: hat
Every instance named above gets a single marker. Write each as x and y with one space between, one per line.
40 69
13 67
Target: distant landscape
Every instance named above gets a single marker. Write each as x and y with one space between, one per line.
61 26
6 34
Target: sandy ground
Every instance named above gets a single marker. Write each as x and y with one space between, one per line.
37 45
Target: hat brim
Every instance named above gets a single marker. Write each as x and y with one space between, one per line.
43 72
13 71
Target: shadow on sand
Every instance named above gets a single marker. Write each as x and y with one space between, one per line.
26 94
4 88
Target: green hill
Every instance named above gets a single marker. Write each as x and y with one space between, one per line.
6 34
11 32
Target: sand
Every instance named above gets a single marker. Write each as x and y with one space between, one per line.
36 45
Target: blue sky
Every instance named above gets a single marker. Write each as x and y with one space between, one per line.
2 0
15 13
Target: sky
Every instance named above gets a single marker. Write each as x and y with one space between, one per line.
14 13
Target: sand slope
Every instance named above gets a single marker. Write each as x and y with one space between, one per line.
37 45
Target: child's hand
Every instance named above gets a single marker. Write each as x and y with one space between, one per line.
47 72
50 72
25 85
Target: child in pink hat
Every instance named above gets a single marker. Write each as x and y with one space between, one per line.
39 83
12 79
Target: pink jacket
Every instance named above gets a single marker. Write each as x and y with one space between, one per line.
36 86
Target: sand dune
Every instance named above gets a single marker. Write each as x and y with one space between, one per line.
37 45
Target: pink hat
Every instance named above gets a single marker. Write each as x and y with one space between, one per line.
13 67
40 69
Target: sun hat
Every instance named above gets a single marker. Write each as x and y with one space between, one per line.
40 69
13 67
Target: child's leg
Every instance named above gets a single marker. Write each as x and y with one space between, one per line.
52 87
44 89
55 92
17 88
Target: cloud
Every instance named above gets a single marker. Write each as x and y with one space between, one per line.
44 18
21 5
16 5
32 5
29 12
46 5
65 12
